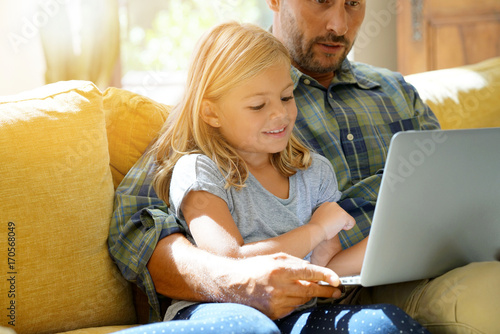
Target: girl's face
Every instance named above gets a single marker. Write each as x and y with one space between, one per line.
257 117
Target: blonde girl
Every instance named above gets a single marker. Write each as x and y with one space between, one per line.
228 161
242 185
238 179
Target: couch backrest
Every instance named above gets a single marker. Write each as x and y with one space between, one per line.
462 97
56 194
132 122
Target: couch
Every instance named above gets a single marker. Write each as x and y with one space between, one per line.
64 149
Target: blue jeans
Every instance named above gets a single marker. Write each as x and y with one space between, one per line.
327 318
212 318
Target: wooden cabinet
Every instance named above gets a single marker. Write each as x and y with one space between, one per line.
436 34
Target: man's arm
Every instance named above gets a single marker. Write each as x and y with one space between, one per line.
274 284
147 244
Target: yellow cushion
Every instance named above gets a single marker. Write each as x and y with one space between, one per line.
57 199
99 330
462 97
132 122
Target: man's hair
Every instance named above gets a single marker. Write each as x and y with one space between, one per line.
226 56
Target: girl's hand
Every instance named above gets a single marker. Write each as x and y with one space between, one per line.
331 218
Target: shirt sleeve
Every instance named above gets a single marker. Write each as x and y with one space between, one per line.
328 187
140 219
195 172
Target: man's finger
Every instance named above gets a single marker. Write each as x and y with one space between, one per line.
321 291
312 273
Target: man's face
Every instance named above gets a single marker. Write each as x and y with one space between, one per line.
319 33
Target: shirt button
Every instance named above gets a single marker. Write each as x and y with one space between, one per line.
350 136
307 81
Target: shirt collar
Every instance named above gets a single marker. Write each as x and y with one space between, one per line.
347 74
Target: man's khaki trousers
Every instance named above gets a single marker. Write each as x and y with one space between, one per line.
464 300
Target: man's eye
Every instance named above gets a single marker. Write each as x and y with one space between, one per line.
352 3
321 1
259 107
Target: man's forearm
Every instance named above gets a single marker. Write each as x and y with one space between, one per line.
274 284
182 271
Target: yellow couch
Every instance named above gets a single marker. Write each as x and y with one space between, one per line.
64 149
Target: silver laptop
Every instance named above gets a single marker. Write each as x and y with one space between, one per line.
438 206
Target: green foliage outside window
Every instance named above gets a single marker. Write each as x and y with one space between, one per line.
165 43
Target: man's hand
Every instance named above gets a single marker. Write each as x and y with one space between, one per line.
274 284
277 284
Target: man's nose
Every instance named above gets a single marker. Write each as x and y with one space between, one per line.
337 19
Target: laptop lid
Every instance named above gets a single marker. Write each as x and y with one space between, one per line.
438 206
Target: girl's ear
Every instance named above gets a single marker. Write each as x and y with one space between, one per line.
209 114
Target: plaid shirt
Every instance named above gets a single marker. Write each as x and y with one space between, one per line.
140 219
351 123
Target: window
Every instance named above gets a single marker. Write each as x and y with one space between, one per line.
157 39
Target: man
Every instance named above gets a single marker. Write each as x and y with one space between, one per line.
348 112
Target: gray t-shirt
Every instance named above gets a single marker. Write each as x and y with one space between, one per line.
258 214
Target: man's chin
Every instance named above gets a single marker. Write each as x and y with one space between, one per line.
325 63
322 68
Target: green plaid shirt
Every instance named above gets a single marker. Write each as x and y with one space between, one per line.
140 219
351 123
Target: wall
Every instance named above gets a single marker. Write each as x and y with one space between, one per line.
22 64
376 43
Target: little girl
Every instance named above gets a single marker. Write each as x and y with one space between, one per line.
233 172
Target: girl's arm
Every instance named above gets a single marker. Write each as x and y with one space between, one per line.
348 261
213 229
325 251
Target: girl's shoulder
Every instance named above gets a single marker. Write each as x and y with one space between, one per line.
320 162
320 168
197 165
196 170
194 159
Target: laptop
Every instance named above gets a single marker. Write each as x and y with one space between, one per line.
438 206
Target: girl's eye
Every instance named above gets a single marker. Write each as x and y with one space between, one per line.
321 1
352 3
286 99
259 107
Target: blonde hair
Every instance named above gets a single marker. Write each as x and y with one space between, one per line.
226 56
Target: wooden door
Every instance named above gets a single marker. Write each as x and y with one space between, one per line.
436 34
